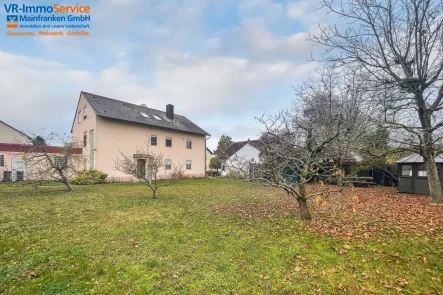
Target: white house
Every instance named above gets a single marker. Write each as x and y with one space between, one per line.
209 156
240 152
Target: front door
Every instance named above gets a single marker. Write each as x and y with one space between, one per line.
18 169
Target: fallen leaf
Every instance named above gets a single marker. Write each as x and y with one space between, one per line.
26 274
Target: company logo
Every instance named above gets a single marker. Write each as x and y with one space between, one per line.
49 20
12 21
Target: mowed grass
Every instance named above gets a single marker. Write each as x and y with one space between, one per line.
116 239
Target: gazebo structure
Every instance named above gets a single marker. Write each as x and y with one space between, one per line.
412 175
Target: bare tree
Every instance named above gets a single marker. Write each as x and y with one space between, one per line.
399 45
333 94
149 168
53 157
294 151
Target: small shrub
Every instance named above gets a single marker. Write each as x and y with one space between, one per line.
91 176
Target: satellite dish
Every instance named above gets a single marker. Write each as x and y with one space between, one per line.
143 105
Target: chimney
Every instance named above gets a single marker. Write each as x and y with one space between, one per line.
170 111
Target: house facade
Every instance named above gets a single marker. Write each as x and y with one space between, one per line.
237 153
107 127
12 165
14 145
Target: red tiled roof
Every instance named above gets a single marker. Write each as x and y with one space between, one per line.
21 148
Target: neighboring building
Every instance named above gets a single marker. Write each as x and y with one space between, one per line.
107 127
412 175
209 156
240 152
9 134
12 166
13 145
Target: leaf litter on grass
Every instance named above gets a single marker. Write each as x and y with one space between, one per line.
358 212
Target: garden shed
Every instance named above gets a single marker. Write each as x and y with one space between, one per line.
412 176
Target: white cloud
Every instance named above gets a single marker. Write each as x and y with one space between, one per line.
172 57
309 13
300 9
46 92
269 7
36 93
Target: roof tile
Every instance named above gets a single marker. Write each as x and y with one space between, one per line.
120 110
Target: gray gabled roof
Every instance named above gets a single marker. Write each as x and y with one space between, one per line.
416 158
124 111
236 146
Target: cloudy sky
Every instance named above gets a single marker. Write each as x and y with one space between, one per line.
220 62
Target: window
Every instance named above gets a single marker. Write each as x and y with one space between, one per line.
406 170
157 117
168 164
223 167
145 115
153 139
168 141
422 171
59 161
189 144
2 160
85 138
188 164
79 117
84 113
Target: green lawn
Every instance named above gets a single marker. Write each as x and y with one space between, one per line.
116 239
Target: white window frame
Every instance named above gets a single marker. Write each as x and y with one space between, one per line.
190 143
58 159
168 166
403 172
422 171
188 162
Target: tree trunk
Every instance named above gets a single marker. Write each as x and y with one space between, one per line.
65 181
154 193
428 153
304 210
302 201
435 190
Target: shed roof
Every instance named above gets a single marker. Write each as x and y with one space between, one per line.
416 158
